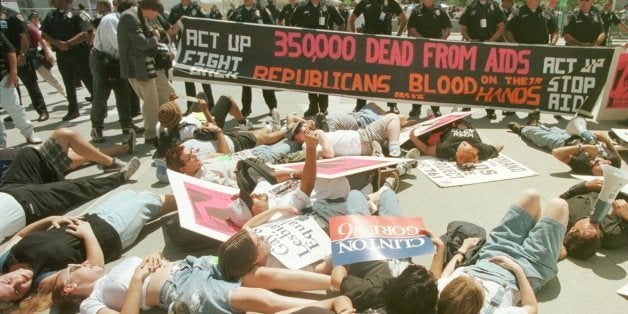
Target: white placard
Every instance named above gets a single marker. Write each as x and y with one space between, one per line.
447 174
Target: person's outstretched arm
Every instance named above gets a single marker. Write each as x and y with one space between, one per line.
424 148
285 279
83 230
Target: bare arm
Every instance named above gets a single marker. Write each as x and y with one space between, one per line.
499 147
600 39
446 33
603 137
285 279
403 21
412 32
439 257
501 27
554 38
328 151
510 37
83 230
427 150
351 22
565 153
245 299
263 217
528 299
464 32
308 178
337 275
572 41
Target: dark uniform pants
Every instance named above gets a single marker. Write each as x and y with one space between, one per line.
71 63
101 89
318 102
190 90
269 98
360 103
29 78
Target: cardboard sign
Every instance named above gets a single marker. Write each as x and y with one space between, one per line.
432 124
296 242
343 166
447 174
204 206
559 79
618 95
357 238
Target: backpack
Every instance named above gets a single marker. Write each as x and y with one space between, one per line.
457 232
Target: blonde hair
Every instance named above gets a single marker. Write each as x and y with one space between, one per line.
467 156
461 295
36 301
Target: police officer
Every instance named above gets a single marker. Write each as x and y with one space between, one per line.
249 12
532 24
286 13
272 9
316 15
67 31
192 9
609 17
344 12
428 21
214 13
378 16
584 26
13 26
482 20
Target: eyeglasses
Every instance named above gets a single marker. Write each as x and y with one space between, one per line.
191 155
71 268
467 166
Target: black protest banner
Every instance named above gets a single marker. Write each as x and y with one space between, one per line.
557 79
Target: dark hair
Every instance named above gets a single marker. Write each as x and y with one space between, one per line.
579 163
461 295
414 291
236 256
581 246
154 5
124 5
173 158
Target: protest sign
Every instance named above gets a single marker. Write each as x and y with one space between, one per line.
343 166
618 95
296 242
204 206
513 77
357 238
447 174
432 124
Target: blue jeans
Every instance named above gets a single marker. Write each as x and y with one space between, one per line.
198 283
534 245
357 204
270 153
127 212
548 138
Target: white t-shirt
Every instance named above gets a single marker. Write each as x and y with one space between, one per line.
13 217
219 170
345 142
507 301
204 148
110 290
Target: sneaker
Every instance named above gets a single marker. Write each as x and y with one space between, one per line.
534 117
310 112
135 128
116 165
491 115
393 109
33 139
245 112
130 141
268 125
392 181
130 168
71 116
414 153
274 113
161 172
247 125
377 149
394 151
515 127
97 136
437 113
320 121
415 112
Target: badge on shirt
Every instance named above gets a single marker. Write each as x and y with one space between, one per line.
492 7
3 16
483 23
321 21
68 15
193 12
382 16
84 17
20 17
596 19
437 12
324 8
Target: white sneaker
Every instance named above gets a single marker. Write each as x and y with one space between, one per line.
414 153
276 119
268 125
377 149
247 125
131 167
33 139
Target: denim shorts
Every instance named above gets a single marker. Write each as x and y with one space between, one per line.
535 246
548 138
198 283
375 131
127 212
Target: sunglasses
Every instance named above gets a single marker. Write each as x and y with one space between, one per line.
71 268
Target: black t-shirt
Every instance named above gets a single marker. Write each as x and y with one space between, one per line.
451 139
377 16
12 25
481 19
429 22
54 249
530 27
365 284
5 49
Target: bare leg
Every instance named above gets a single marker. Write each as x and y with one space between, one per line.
268 138
234 110
78 160
558 210
392 127
68 138
530 201
169 204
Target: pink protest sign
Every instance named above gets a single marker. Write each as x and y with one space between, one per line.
344 166
204 207
432 124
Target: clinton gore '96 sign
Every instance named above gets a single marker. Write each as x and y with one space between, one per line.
517 77
367 238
